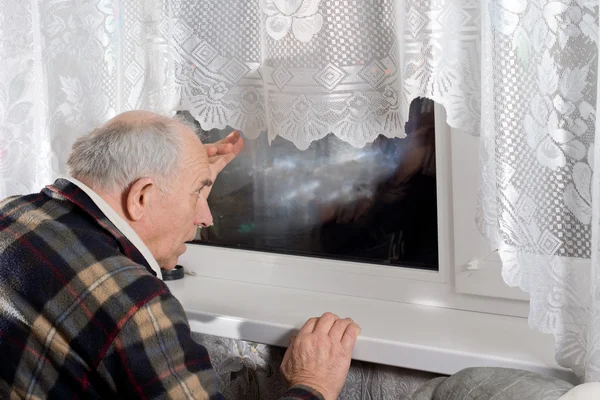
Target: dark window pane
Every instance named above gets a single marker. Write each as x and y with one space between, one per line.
377 204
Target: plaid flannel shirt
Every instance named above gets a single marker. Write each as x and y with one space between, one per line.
82 313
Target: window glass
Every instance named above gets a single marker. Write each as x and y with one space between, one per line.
377 204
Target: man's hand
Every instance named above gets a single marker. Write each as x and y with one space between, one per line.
223 152
319 357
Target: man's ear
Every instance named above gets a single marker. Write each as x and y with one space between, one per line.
138 198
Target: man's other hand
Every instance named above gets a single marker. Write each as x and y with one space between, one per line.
319 357
221 153
224 151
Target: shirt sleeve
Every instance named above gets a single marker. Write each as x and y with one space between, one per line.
300 392
155 357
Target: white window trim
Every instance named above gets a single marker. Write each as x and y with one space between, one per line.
477 268
423 338
385 282
435 321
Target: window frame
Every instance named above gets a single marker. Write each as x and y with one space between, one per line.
452 286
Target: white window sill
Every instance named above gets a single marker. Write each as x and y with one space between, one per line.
412 336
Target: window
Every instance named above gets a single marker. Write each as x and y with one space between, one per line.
274 209
377 204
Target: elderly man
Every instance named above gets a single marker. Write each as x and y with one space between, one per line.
83 311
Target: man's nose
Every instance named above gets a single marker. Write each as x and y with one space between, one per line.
203 217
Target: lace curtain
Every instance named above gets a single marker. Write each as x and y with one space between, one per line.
522 74
301 69
65 68
539 199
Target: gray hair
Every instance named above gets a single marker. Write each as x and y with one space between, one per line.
117 154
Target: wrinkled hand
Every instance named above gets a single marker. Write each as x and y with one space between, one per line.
319 357
223 152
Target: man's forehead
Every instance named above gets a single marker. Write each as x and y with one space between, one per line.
198 165
192 144
196 157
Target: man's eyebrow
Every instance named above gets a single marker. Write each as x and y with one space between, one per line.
206 182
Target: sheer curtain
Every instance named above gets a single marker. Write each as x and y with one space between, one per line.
66 67
301 69
522 74
539 199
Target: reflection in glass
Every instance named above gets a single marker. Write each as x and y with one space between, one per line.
377 204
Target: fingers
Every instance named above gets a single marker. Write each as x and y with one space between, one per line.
349 337
211 150
220 154
325 323
218 148
339 328
319 357
223 146
309 326
232 139
219 163
238 145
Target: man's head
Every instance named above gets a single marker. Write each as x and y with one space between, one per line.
154 171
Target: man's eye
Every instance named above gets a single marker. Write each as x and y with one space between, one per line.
199 191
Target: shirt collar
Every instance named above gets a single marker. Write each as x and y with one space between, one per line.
119 223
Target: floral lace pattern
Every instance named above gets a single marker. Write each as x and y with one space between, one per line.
302 69
539 69
64 69
300 16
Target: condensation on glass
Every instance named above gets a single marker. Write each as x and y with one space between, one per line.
377 204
